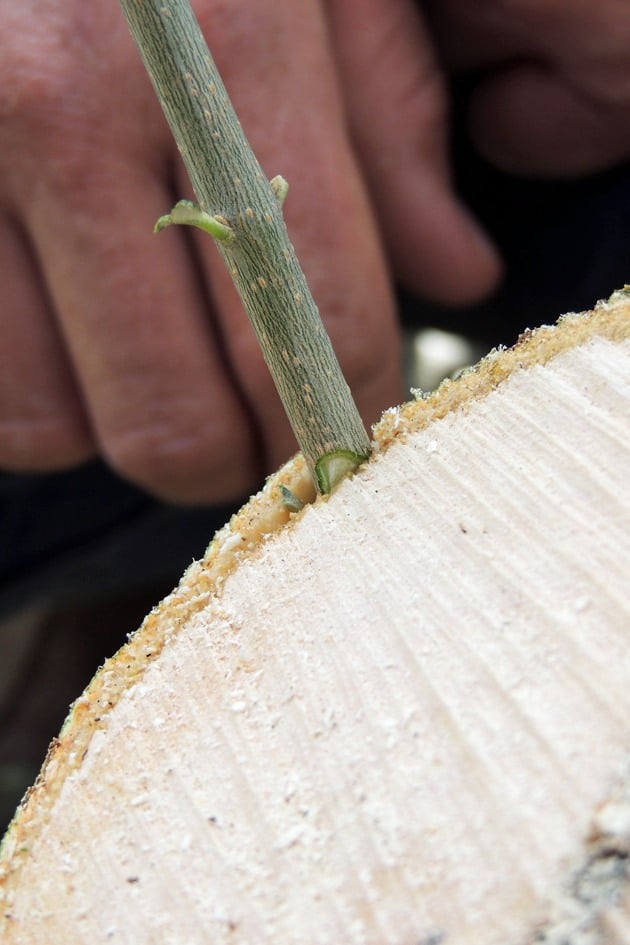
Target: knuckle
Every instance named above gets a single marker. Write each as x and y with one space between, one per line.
43 116
180 465
56 94
43 444
36 74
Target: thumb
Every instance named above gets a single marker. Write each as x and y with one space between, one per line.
397 110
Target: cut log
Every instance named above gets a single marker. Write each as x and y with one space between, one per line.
399 716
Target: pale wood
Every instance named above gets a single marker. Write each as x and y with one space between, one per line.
401 717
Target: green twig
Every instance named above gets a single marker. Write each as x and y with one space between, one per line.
242 211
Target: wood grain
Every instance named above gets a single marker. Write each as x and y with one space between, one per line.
400 717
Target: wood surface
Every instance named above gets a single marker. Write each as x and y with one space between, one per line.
398 717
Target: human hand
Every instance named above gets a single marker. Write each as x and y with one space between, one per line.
553 91
135 347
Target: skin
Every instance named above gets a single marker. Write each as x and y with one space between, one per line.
132 346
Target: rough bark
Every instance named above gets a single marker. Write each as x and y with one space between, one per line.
399 716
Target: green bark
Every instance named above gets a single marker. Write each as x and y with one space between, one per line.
233 192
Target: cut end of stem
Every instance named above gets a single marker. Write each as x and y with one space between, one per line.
332 468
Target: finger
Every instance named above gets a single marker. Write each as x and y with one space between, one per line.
554 95
398 114
527 119
477 36
161 403
42 424
588 41
295 125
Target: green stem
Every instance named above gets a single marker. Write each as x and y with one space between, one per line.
242 210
